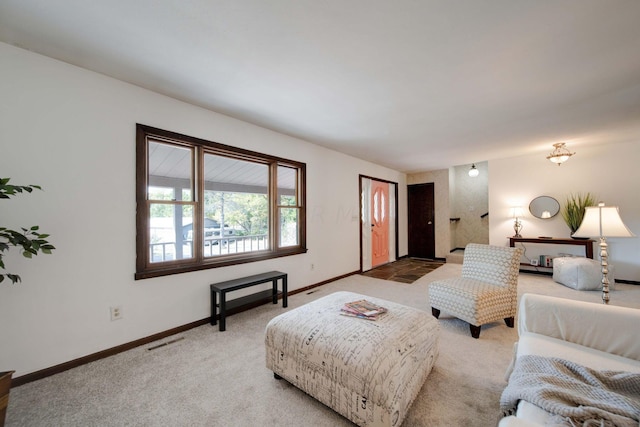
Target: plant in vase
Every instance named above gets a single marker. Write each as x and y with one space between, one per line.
573 209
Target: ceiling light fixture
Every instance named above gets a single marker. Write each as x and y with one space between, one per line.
473 172
560 154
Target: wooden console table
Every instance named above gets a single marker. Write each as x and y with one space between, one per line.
244 282
587 243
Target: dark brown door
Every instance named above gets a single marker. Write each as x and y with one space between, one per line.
422 243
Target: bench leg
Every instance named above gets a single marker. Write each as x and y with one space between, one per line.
274 285
223 311
213 307
284 291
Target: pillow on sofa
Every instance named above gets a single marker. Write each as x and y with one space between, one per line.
583 274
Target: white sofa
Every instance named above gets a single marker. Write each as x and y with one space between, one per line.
598 336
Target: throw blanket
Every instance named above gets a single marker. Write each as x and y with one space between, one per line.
577 395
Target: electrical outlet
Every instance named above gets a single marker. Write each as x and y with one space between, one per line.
116 313
313 266
534 261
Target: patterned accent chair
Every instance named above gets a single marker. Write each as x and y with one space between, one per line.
486 291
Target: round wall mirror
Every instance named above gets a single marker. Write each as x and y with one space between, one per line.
544 207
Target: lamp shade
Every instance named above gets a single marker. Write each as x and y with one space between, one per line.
602 221
517 211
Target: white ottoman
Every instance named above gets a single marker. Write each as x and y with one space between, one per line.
368 371
583 274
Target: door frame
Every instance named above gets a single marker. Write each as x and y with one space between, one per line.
392 223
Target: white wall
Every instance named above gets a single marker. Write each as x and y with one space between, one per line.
73 132
609 172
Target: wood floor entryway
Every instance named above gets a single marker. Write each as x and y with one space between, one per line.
406 270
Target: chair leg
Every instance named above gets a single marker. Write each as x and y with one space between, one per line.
509 321
435 312
475 331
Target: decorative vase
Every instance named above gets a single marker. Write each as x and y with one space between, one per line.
578 238
5 387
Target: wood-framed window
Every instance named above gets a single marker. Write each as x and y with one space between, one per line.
201 204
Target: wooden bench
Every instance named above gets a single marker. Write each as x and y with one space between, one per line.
244 282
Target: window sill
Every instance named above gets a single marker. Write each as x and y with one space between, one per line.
164 270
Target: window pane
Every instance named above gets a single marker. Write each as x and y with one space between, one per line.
170 168
288 227
169 238
236 195
376 207
287 179
161 193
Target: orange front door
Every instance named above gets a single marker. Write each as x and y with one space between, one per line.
379 223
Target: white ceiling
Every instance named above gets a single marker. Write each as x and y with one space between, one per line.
410 84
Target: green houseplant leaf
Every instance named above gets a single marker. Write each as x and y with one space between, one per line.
574 207
28 240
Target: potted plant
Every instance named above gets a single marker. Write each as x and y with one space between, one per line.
573 209
5 386
31 242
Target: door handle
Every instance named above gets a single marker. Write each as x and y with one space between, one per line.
429 223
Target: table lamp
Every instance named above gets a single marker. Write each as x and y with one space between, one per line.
603 221
516 213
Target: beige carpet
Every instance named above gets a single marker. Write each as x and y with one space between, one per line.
212 378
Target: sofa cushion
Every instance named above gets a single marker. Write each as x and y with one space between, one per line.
541 345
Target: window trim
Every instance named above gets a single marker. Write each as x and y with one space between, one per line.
146 269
